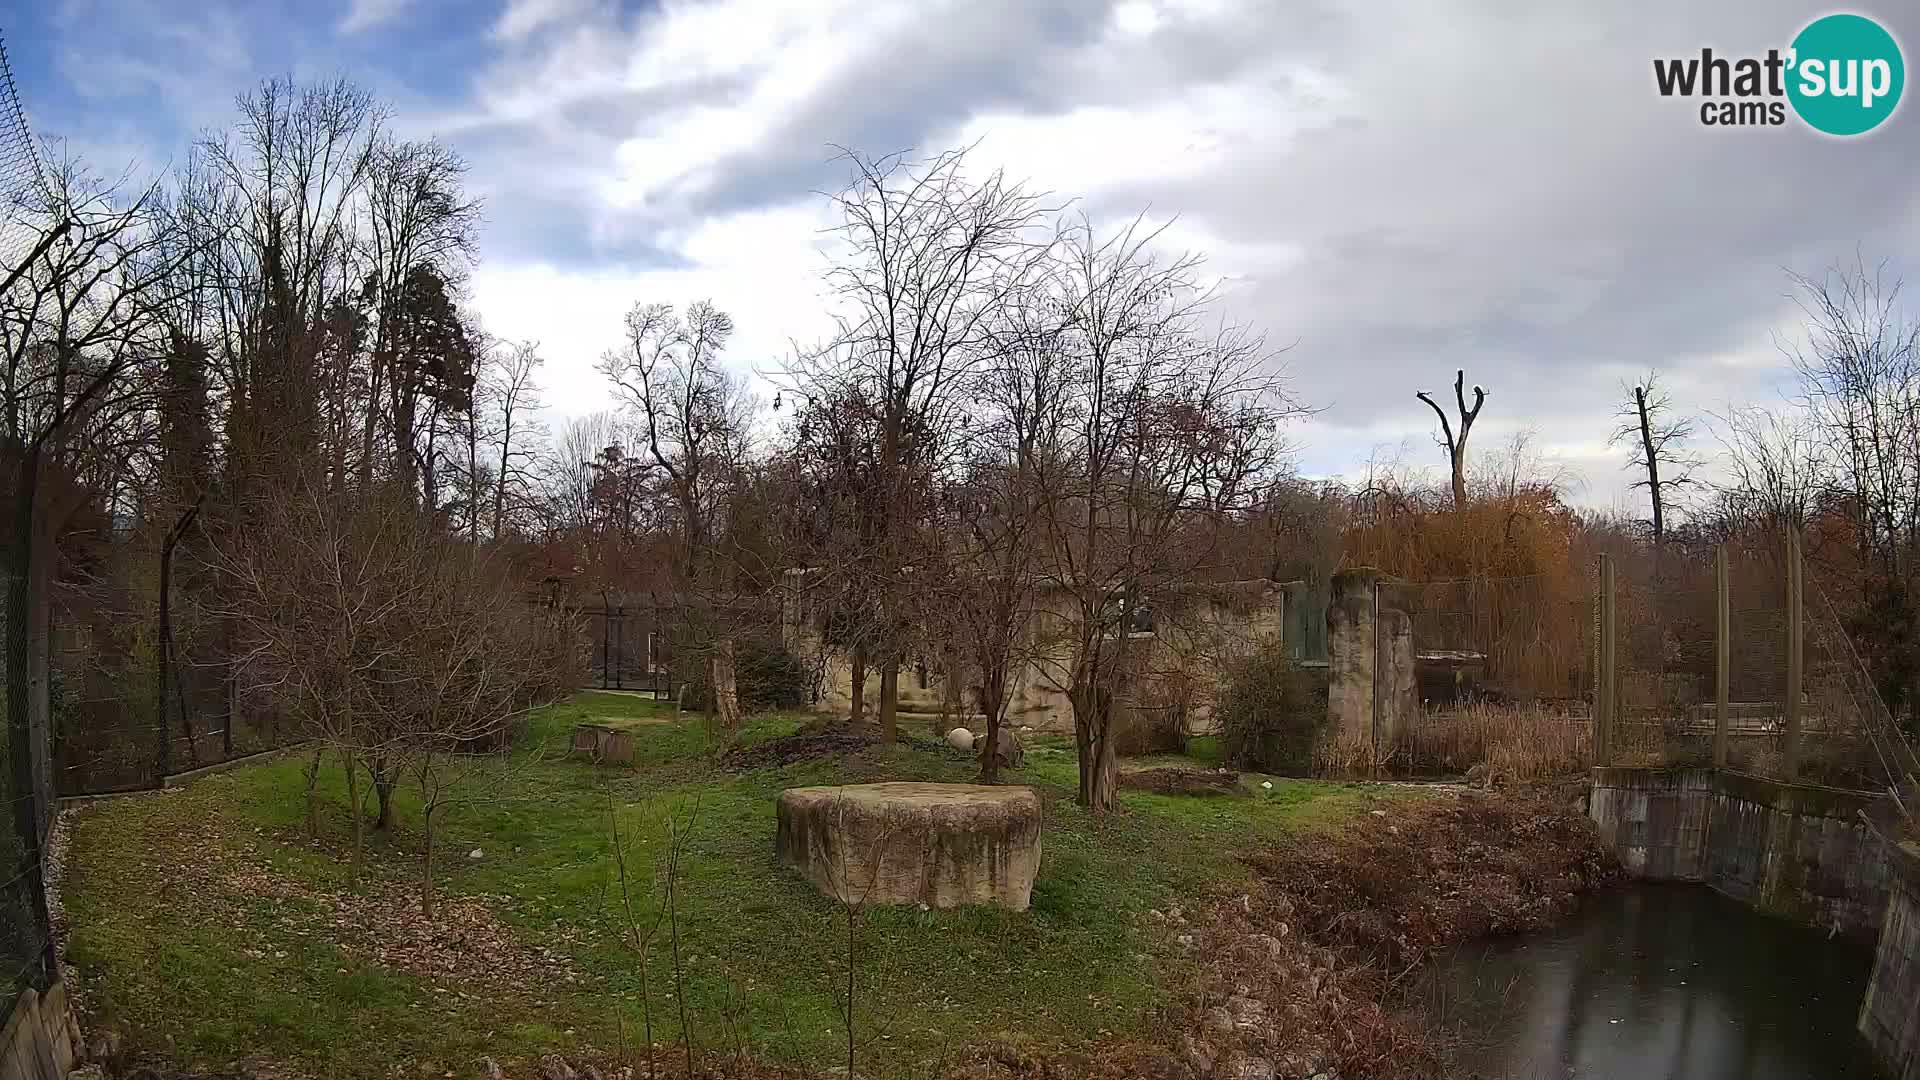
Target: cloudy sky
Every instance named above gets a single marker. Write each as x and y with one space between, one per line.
1395 187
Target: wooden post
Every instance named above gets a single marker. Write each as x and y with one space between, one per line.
1796 643
1723 649
1606 694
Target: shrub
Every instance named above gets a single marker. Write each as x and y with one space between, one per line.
1270 714
558 640
1157 722
770 676
767 676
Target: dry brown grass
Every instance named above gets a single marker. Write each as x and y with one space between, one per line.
1504 742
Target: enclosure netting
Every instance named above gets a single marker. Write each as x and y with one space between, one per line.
1500 664
1507 671
25 943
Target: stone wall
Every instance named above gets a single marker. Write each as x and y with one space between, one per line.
1799 851
1890 1013
40 1041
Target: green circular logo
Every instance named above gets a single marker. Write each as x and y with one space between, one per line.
1846 74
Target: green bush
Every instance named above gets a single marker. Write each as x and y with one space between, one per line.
766 675
1271 714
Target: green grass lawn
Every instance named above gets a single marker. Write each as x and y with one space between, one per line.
205 926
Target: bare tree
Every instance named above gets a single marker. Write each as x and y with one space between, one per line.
1166 429
1456 444
512 397
1858 367
1775 466
79 332
996 528
466 676
693 423
1658 440
931 256
361 625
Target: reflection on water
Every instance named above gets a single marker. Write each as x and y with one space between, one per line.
1657 981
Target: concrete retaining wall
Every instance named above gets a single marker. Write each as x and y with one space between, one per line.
1890 1013
1799 851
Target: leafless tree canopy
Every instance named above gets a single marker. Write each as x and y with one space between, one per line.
1455 444
1658 439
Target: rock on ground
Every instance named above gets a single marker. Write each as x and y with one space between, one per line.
942 845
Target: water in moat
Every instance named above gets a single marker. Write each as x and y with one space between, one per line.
1656 981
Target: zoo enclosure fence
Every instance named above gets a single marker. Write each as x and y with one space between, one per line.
1717 655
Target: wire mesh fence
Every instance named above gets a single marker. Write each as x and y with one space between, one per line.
26 957
1511 673
107 730
1502 672
1805 713
22 181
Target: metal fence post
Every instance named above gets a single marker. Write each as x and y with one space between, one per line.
1606 694
1796 643
1723 650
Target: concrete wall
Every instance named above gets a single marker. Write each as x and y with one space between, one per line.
1196 628
1373 692
1352 654
40 1041
1795 850
1890 1013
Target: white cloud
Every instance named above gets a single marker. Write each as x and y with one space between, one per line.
1402 189
363 15
760 266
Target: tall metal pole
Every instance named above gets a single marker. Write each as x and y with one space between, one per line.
1606 703
1796 642
1723 649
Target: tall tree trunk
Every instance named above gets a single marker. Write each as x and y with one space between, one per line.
39 658
163 660
889 698
1652 455
26 621
857 663
949 698
353 809
426 861
726 690
167 684
993 705
1093 738
384 779
312 777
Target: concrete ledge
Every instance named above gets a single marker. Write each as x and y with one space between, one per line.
176 779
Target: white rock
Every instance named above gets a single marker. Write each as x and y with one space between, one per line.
1266 785
476 853
960 739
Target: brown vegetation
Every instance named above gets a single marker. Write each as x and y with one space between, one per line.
1172 780
1296 975
1506 743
